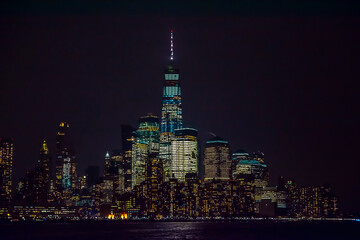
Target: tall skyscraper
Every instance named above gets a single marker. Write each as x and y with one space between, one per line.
127 139
43 174
184 153
6 165
65 175
146 142
171 112
217 159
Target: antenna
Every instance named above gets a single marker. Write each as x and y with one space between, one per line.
172 45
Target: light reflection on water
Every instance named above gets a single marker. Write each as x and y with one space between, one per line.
179 230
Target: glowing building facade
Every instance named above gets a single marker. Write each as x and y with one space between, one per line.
146 141
217 159
250 168
184 153
6 165
171 112
236 158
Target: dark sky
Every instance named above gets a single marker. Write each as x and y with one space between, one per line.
282 79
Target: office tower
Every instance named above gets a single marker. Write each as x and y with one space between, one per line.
154 178
184 153
118 173
171 112
36 184
61 153
127 139
217 161
146 142
251 169
43 174
65 175
6 165
113 182
236 158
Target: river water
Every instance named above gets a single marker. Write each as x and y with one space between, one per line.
181 230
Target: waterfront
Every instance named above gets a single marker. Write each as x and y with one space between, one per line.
181 230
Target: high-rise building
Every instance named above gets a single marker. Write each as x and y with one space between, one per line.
6 165
236 158
146 142
65 175
171 112
184 153
217 159
154 178
60 154
43 174
251 168
127 139
113 182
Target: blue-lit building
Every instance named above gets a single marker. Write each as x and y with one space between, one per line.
171 112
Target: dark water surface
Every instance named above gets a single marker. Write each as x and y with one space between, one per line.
181 230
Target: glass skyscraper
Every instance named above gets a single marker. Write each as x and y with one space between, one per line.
146 142
184 153
171 112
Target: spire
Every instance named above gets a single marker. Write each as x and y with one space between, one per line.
171 45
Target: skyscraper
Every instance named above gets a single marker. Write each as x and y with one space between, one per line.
65 175
146 142
236 158
251 168
6 165
154 178
184 153
217 161
113 174
43 174
127 139
171 112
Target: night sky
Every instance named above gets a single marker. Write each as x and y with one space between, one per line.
282 79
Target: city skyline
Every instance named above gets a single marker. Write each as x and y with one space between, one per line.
223 131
